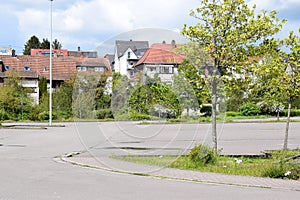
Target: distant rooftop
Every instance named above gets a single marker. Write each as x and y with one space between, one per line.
138 47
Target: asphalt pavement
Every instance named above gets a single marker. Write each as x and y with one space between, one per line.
43 162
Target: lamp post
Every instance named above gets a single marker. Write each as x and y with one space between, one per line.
50 77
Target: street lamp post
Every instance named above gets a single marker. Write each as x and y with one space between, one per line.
50 78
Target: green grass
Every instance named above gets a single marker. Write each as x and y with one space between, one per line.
250 166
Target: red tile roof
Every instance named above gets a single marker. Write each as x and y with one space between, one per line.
63 68
161 54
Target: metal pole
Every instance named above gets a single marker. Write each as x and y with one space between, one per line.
50 78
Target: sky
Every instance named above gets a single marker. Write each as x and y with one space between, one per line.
90 24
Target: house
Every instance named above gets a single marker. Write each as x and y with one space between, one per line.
7 51
127 54
46 52
32 68
160 59
93 65
111 58
84 54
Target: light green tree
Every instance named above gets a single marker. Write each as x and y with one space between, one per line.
227 31
290 83
15 103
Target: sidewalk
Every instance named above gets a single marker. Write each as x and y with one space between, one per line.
113 165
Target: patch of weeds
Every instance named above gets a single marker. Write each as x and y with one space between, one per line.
203 155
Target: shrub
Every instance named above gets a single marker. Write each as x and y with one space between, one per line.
63 115
232 114
3 115
45 115
139 116
206 110
104 114
34 113
276 171
250 109
203 155
294 112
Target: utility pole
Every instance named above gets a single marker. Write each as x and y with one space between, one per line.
50 76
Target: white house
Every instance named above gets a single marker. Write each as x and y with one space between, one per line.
127 54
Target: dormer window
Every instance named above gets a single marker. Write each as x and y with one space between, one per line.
27 68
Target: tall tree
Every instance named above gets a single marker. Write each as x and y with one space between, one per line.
42 87
227 30
63 98
32 43
56 44
45 44
102 98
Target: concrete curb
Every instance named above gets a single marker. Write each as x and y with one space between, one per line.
185 175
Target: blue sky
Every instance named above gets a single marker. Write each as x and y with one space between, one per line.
89 23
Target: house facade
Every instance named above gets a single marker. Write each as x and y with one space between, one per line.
160 59
46 52
32 68
6 51
127 54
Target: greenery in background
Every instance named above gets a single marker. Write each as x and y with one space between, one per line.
250 109
119 100
15 104
154 98
103 99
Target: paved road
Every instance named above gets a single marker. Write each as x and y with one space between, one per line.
28 170
234 138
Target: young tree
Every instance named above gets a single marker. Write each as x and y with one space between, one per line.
291 77
227 30
32 43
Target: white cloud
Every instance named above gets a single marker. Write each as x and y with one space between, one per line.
87 22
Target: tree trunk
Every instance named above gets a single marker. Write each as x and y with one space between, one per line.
214 114
286 136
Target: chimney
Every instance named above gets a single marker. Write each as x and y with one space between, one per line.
2 66
78 49
13 53
173 43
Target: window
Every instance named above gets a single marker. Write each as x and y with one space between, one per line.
45 69
166 70
99 69
36 53
26 68
131 73
7 67
128 54
152 69
81 69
